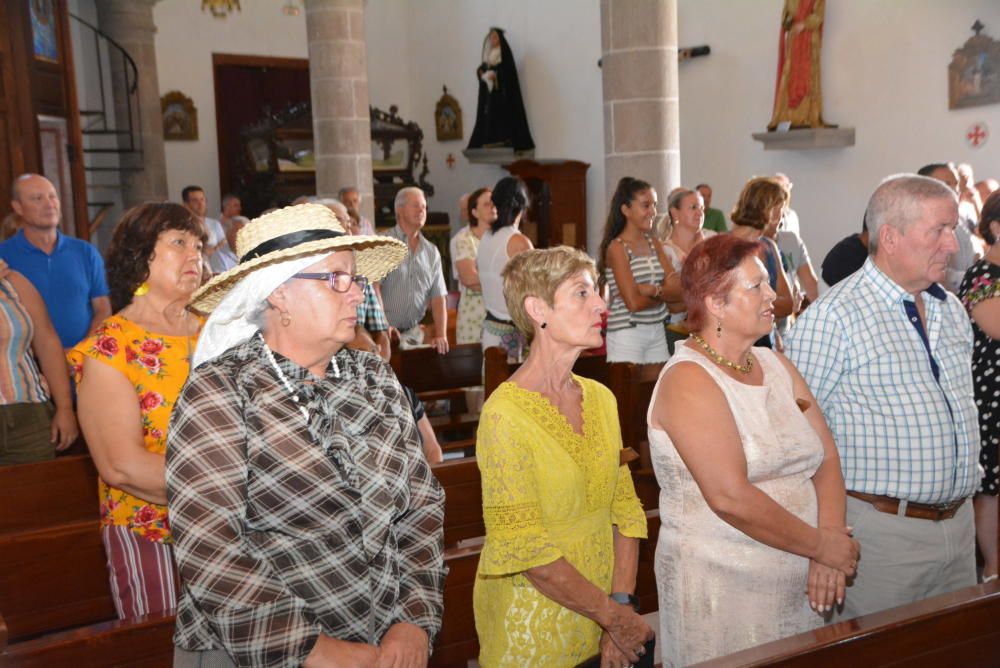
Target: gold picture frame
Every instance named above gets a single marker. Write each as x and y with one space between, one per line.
180 117
448 118
974 72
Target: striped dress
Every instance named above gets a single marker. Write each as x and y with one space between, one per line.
645 269
20 380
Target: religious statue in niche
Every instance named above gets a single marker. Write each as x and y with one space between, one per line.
798 102
500 118
974 72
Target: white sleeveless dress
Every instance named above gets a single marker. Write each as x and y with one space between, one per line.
719 590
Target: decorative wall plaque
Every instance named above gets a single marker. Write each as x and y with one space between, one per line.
448 118
974 72
180 117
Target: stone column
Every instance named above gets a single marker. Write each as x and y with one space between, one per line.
338 78
130 23
639 72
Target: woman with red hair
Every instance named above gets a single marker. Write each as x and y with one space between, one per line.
752 497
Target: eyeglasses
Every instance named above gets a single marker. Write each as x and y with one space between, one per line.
339 281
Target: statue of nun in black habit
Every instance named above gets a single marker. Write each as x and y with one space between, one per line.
500 118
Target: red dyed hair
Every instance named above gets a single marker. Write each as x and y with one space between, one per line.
709 272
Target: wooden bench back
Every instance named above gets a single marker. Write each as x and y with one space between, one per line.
632 385
41 495
463 499
956 629
53 579
457 642
423 369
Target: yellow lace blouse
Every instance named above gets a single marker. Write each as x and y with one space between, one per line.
548 492
157 367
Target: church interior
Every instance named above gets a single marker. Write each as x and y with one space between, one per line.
121 102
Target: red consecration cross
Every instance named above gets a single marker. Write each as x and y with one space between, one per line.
976 135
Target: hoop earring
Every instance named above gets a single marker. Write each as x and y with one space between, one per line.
718 330
141 289
286 319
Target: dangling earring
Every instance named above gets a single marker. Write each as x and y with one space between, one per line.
286 319
718 330
141 289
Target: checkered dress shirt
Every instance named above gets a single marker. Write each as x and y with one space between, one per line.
370 313
901 410
276 539
408 289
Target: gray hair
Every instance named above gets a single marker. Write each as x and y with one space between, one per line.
347 189
256 315
898 201
404 193
335 204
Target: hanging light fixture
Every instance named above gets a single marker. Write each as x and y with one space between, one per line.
220 8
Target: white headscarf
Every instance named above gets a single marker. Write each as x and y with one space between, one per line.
228 325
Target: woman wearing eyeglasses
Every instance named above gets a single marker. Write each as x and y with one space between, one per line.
307 523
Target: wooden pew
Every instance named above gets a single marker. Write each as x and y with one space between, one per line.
956 629
425 371
497 369
463 499
44 494
457 642
435 377
632 385
56 608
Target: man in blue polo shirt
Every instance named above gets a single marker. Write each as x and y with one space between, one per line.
68 272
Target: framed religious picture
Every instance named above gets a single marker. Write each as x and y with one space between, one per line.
180 117
448 118
974 72
45 42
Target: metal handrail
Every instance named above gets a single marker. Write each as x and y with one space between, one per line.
128 58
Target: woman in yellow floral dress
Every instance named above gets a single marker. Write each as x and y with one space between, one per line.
129 373
563 522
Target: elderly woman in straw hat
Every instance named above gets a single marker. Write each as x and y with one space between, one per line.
308 525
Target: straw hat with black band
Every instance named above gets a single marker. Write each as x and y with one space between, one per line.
271 249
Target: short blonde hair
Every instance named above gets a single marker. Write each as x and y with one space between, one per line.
539 273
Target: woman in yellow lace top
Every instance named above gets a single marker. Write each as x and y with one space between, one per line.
563 522
129 373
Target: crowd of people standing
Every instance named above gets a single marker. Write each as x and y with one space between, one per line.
264 473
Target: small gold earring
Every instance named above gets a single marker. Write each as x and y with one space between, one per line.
142 289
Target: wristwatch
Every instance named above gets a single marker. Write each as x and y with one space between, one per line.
625 599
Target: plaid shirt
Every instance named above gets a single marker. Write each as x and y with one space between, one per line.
370 313
408 289
276 542
898 400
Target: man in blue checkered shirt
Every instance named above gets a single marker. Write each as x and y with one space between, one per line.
887 353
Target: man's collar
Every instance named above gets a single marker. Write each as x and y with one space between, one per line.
22 238
406 237
891 291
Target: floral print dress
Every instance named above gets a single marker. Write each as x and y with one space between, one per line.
471 311
982 282
157 366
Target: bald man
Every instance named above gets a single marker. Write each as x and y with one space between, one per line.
67 272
